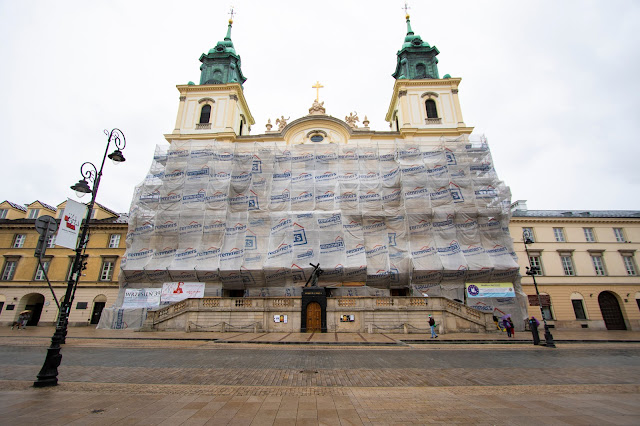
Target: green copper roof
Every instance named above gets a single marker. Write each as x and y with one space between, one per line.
221 64
416 58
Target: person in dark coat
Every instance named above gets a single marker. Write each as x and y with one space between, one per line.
505 324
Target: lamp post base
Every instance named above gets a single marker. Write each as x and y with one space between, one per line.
548 338
48 375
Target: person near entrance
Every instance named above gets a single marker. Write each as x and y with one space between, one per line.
432 325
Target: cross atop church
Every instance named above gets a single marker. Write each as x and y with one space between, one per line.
231 13
317 86
406 8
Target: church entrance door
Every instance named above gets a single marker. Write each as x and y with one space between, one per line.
314 317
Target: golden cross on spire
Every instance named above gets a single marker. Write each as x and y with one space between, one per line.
317 86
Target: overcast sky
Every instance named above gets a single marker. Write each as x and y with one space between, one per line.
552 84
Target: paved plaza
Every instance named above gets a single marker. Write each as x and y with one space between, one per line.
125 377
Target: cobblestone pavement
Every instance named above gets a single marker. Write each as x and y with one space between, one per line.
196 382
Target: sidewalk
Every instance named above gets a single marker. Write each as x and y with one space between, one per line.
331 338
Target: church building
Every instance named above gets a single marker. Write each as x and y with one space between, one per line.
321 223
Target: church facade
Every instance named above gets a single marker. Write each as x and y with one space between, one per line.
415 212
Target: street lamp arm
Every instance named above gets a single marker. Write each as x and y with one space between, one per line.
88 171
117 137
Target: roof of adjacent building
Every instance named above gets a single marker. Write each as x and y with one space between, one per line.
46 206
576 213
16 206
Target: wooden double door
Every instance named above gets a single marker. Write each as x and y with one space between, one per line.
314 317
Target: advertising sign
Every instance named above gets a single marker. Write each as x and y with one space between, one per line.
70 224
490 290
175 292
141 298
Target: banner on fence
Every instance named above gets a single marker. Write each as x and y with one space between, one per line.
490 290
177 291
141 298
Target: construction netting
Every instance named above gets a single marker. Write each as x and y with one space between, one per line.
382 213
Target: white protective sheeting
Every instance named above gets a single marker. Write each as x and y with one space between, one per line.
388 214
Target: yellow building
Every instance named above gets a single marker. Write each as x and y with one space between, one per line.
587 269
23 285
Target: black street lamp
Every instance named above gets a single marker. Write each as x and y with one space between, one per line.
48 375
532 271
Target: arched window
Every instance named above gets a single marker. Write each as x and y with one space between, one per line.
241 123
578 306
421 71
205 114
432 112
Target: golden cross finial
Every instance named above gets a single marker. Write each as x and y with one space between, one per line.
317 86
231 13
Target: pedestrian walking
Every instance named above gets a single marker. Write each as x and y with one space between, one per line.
432 325
511 328
505 324
533 326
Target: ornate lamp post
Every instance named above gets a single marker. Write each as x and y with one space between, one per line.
532 271
48 375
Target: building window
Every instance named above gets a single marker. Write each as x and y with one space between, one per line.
9 270
33 213
629 264
589 235
598 264
619 235
205 114
547 312
19 240
527 233
114 241
51 241
578 309
3 213
536 263
559 234
40 272
106 272
432 112
567 264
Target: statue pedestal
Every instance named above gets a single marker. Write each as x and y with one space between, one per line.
314 310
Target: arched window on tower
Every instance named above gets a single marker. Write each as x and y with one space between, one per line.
241 125
421 71
205 114
432 111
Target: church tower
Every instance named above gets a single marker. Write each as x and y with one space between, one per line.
422 102
215 108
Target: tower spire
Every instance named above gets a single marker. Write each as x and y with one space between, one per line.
222 64
416 59
228 36
407 17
